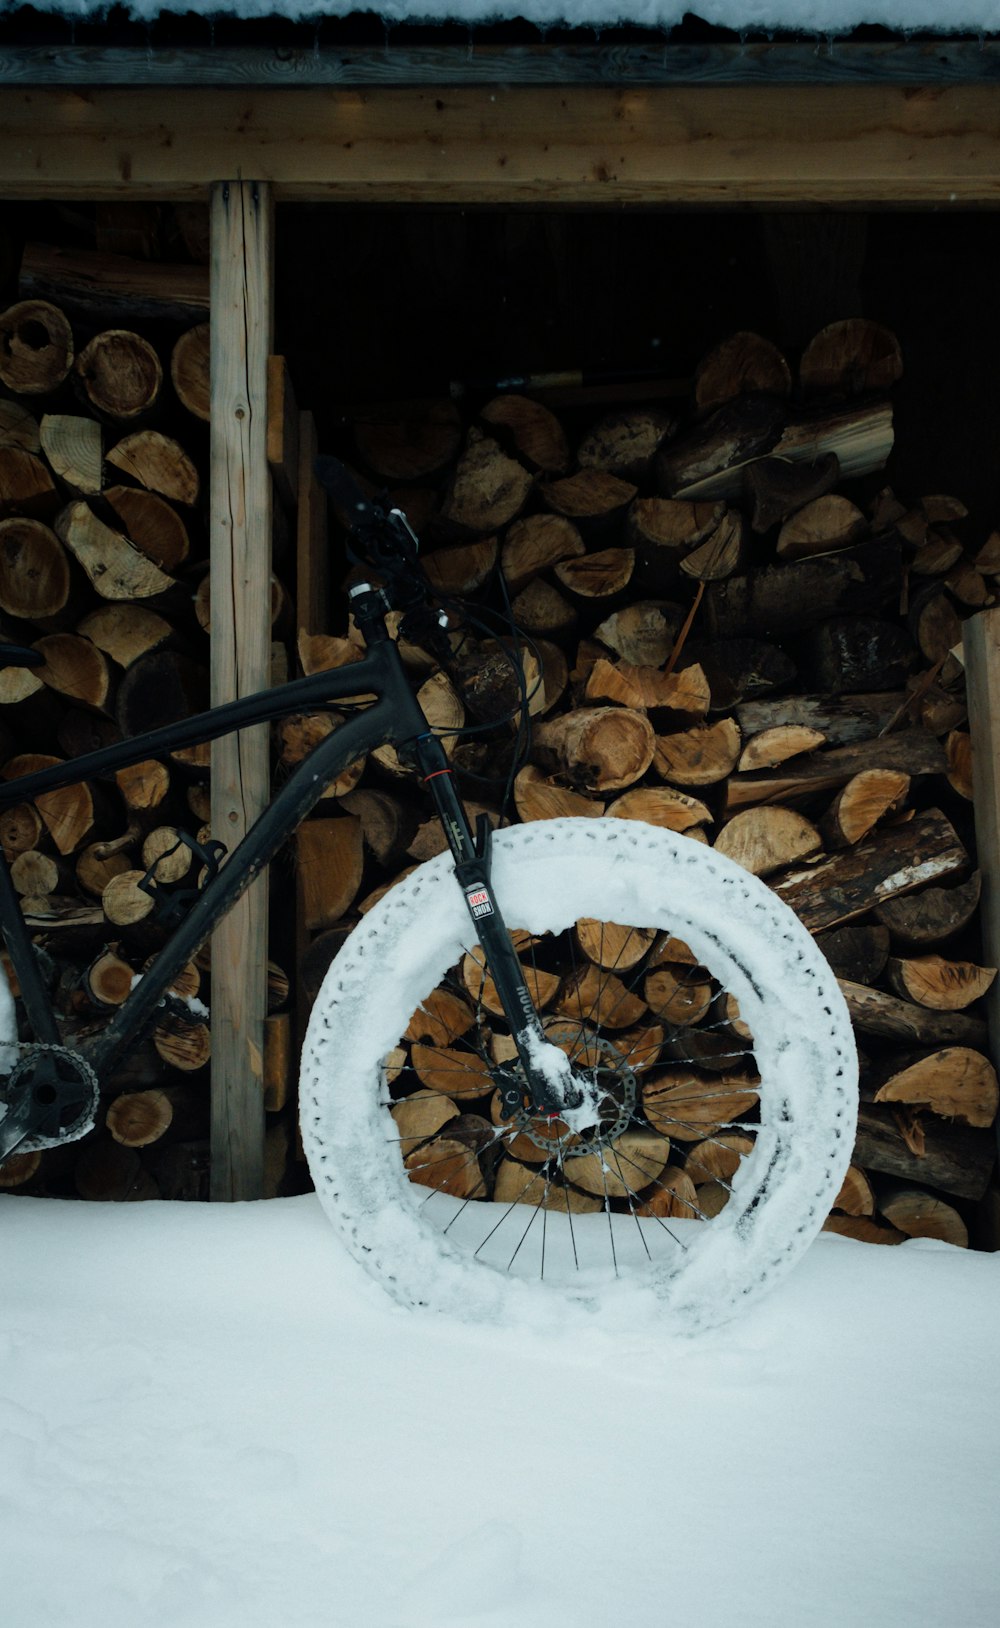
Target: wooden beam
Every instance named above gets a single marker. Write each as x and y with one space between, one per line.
691 145
826 61
981 648
242 281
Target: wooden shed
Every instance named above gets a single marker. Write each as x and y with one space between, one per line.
429 211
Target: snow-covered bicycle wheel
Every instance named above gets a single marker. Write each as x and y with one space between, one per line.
681 986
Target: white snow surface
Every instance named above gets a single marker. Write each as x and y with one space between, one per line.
210 1417
800 16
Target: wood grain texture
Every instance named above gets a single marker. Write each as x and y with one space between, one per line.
242 257
684 144
830 61
981 646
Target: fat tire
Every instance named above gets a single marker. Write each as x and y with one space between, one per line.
545 875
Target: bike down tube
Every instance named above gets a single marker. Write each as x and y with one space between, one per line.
297 797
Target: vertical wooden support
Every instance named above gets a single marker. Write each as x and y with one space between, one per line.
242 320
981 646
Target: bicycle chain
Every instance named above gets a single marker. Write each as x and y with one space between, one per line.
87 1079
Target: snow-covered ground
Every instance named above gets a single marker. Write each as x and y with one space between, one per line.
211 1418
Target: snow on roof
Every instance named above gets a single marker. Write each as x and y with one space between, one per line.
795 16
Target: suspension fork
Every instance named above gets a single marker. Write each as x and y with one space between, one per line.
472 868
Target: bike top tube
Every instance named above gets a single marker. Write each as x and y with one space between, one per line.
377 673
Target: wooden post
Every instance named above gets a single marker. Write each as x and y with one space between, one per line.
981 645
242 249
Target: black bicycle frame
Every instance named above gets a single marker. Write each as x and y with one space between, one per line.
394 718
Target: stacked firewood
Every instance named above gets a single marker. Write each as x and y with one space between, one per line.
738 631
104 571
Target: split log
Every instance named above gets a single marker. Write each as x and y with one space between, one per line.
945 986
592 577
158 463
535 544
75 668
190 370
624 444
124 902
151 524
542 986
420 1116
678 995
331 861
867 798
698 757
773 747
932 916
462 570
444 713
115 567
387 825
541 609
125 631
856 1196
648 687
954 1082
663 530
721 554
107 981
688 1106
877 1013
863 1229
922 1215
909 754
68 813
535 432
958 751
779 487
840 888
744 364
95 866
118 373
34 571
593 996
450 1162
488 489
858 952
183 1042
850 358
663 806
36 347
767 839
642 633
73 448
536 797
610 945
920 1147
719 1157
628 1165
935 624
407 441
592 499
19 428
597 748
826 524
26 486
